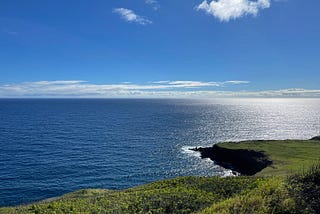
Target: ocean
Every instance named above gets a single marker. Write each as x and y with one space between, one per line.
49 147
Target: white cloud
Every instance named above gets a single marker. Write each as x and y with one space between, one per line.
129 16
155 4
197 84
60 82
236 82
233 9
164 89
187 84
83 88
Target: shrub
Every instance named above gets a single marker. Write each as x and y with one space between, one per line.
304 187
270 196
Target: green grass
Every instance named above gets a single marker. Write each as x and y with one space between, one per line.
288 156
180 195
297 193
271 196
284 187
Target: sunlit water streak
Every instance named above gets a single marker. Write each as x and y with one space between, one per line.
51 147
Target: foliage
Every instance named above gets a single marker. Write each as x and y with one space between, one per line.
304 187
180 195
270 196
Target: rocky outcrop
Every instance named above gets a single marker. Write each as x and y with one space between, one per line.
316 138
246 162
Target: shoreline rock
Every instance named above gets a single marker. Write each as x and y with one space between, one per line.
243 161
316 138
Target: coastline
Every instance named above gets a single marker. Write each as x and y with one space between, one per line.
263 157
274 166
242 161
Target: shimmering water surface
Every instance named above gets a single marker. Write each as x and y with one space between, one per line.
53 146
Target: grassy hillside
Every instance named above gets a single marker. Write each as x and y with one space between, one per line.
180 195
263 193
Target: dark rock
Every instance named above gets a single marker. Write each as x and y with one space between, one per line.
316 138
246 162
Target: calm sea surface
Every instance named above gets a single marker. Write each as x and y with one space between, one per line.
51 147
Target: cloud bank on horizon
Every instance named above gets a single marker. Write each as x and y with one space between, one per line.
226 10
158 89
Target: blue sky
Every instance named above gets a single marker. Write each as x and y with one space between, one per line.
163 48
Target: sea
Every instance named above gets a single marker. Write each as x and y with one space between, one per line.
49 147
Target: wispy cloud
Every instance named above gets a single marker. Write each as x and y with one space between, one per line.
198 84
155 4
226 10
130 16
59 82
164 89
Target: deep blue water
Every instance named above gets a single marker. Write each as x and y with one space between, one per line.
53 146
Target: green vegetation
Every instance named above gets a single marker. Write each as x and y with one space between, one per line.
296 192
180 195
288 156
304 187
271 196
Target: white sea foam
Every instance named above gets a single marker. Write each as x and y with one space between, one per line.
187 150
229 173
224 172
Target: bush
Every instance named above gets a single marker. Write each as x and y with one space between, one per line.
304 187
270 196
